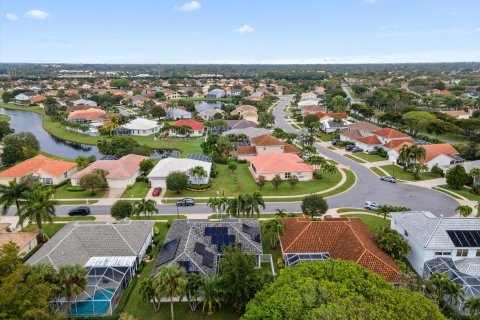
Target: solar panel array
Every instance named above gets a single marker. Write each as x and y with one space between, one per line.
168 251
464 238
223 240
199 157
252 231
208 259
210 231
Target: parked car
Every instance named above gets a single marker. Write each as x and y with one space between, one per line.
357 149
389 179
306 155
370 205
186 202
334 141
79 211
349 147
156 192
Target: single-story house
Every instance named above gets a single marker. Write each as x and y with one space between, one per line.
240 124
84 102
329 125
197 128
311 109
388 134
368 143
141 127
247 112
458 114
177 113
309 102
49 171
442 154
284 164
216 93
364 127
110 253
350 134
265 144
24 99
121 172
158 176
335 238
250 132
208 114
26 241
87 116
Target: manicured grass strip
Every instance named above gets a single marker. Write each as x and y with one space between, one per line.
397 172
138 190
349 156
64 193
53 156
160 217
49 229
377 171
15 107
454 195
331 148
4 117
343 210
369 157
326 137
75 202
349 182
465 192
373 223
75 218
262 216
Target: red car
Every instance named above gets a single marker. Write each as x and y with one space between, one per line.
156 192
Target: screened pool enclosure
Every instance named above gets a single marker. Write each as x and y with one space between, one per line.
107 278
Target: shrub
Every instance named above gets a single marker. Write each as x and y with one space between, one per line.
437 170
457 177
141 179
200 186
317 174
121 209
242 161
214 171
280 263
129 186
75 189
156 230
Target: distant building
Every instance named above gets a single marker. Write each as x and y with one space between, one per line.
141 127
216 93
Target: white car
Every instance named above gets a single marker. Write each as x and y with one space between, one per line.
370 205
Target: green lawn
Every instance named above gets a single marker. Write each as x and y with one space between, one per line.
325 136
28 108
452 194
345 210
371 222
50 228
465 192
398 173
377 171
351 178
224 183
4 117
138 190
351 157
63 193
369 157
168 217
53 156
74 218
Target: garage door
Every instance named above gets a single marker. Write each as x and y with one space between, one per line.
157 182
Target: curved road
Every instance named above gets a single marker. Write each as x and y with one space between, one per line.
370 187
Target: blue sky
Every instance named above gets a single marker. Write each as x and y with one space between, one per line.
239 31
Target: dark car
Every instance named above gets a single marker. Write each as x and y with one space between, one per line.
156 192
79 211
349 147
187 202
357 149
389 179
334 141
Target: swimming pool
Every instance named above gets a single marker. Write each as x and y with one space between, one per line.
97 305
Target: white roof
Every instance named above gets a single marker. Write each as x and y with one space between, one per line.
165 166
111 261
250 132
430 231
84 101
141 124
309 102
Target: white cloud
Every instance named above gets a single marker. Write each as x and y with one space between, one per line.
36 14
370 1
11 17
244 29
190 6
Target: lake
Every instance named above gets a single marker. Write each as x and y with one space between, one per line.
204 105
32 122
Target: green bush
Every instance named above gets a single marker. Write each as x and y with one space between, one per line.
61 184
200 186
317 174
437 170
129 186
141 179
214 171
156 230
75 189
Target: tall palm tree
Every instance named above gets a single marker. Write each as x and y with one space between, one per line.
475 174
404 154
148 207
147 293
214 204
12 193
473 306
170 281
38 207
253 204
418 153
272 228
436 286
197 172
73 281
281 213
317 161
328 168
210 294
112 123
454 292
464 210
236 206
418 168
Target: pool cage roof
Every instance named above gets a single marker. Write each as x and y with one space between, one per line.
292 259
470 283
103 282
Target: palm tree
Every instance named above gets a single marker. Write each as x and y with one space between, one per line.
73 281
38 207
236 206
113 123
464 210
454 292
473 306
147 207
281 213
475 174
210 294
404 154
317 161
418 168
170 281
214 204
328 168
477 206
147 293
418 153
198 172
272 228
253 203
436 286
12 193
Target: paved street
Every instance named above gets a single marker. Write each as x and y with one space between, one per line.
369 186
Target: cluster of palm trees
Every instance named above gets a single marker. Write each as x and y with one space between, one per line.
198 173
32 201
326 167
245 205
147 207
413 155
173 281
440 286
272 229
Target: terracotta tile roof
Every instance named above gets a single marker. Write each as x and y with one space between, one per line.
338 115
344 238
80 107
37 99
195 125
390 133
370 140
288 148
395 143
244 150
434 150
88 114
21 239
39 163
123 168
364 125
456 113
266 140
273 162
